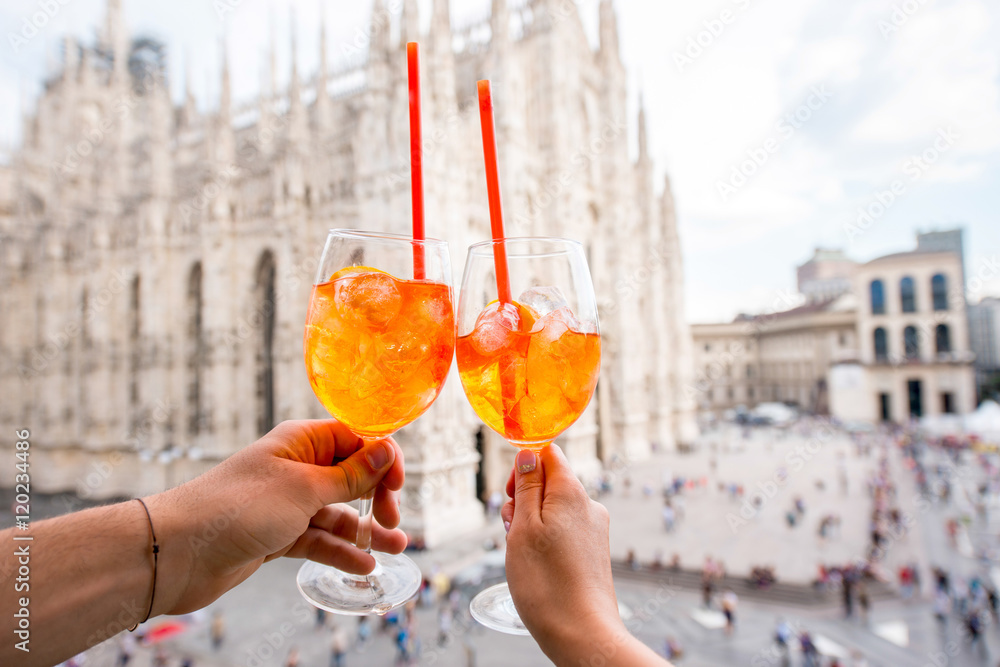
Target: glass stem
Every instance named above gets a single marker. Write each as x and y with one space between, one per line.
364 541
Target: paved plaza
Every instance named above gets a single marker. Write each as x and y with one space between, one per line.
266 617
773 466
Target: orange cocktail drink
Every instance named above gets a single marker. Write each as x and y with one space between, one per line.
528 377
378 348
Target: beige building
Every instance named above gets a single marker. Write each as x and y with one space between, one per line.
157 259
782 357
912 326
890 343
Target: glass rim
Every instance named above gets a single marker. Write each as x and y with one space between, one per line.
381 236
486 247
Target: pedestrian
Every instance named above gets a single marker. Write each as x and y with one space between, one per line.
707 582
847 590
338 648
864 601
126 649
729 602
941 606
217 630
470 654
160 657
320 617
364 631
293 657
783 637
402 646
668 516
810 654
188 661
974 626
444 626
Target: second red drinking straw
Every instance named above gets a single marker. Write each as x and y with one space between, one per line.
493 187
416 159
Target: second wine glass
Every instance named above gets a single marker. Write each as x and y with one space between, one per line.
529 367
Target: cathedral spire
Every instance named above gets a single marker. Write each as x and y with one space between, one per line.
441 26
116 41
411 22
609 29
379 45
297 133
70 58
500 23
226 150
643 137
190 110
225 95
322 78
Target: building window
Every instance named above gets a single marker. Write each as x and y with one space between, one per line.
885 407
750 393
942 339
708 347
878 297
842 340
749 371
730 393
915 391
195 350
939 290
266 301
881 344
947 403
907 295
911 343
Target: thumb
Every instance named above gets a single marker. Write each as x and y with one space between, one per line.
529 487
357 474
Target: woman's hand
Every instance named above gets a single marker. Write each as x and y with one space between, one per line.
271 500
559 565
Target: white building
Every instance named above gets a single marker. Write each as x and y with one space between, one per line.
156 261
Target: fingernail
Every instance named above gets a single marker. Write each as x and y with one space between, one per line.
377 455
525 461
506 526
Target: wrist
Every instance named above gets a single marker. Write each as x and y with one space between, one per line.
175 560
582 640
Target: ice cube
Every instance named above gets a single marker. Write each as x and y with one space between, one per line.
494 328
542 300
371 297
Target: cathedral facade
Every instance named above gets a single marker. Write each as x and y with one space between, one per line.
157 260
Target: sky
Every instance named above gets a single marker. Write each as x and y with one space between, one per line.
784 125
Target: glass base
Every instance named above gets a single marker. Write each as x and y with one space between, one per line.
494 608
394 580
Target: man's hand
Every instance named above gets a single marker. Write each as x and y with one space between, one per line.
270 500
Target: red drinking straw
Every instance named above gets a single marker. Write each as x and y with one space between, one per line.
493 186
416 159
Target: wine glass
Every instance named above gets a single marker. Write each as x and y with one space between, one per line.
379 339
528 367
